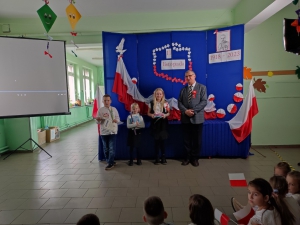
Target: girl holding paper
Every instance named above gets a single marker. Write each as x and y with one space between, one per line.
159 111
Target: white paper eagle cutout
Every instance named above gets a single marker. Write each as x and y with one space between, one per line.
119 48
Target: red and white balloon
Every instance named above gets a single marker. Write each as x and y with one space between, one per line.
239 87
134 80
221 113
211 97
231 108
238 97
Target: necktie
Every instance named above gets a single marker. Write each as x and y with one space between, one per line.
190 93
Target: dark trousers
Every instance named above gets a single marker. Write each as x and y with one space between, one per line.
131 153
159 144
192 138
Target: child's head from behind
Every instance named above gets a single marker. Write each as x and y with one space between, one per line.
282 169
279 185
259 192
293 180
159 95
135 108
154 212
106 100
89 219
201 210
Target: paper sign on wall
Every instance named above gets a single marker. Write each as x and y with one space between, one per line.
173 64
225 56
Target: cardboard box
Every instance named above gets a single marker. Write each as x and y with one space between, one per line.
52 134
41 136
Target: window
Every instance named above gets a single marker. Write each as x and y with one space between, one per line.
87 86
71 82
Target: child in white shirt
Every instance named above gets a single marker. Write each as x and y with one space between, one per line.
293 180
108 117
134 123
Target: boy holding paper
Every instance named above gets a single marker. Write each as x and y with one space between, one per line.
108 118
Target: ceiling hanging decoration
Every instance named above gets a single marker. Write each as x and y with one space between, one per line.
48 17
73 17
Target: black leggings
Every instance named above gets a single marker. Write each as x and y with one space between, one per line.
159 144
131 153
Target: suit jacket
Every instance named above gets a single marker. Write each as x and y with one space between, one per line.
197 104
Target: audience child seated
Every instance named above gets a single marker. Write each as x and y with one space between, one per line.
201 210
293 180
288 205
260 194
89 219
154 212
282 169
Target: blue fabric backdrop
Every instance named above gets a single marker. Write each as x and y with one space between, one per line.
223 77
220 78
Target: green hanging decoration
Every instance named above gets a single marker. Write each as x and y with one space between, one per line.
295 2
298 72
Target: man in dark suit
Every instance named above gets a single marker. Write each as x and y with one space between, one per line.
191 102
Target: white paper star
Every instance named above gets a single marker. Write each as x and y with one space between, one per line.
189 59
179 45
176 44
172 44
154 60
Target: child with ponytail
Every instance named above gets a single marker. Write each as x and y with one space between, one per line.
288 205
260 194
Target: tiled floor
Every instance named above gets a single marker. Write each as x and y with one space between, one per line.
36 189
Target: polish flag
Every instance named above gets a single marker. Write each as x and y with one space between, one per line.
98 103
128 93
241 124
222 218
237 180
244 215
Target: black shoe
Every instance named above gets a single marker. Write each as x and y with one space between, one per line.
130 163
138 162
185 162
156 162
109 167
195 163
163 161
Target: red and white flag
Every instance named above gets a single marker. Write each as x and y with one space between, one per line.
222 218
128 93
241 124
244 215
98 103
237 180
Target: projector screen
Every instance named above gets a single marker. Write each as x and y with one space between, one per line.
31 82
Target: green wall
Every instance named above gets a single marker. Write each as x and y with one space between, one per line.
277 122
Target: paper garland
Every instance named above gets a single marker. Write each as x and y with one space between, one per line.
176 47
